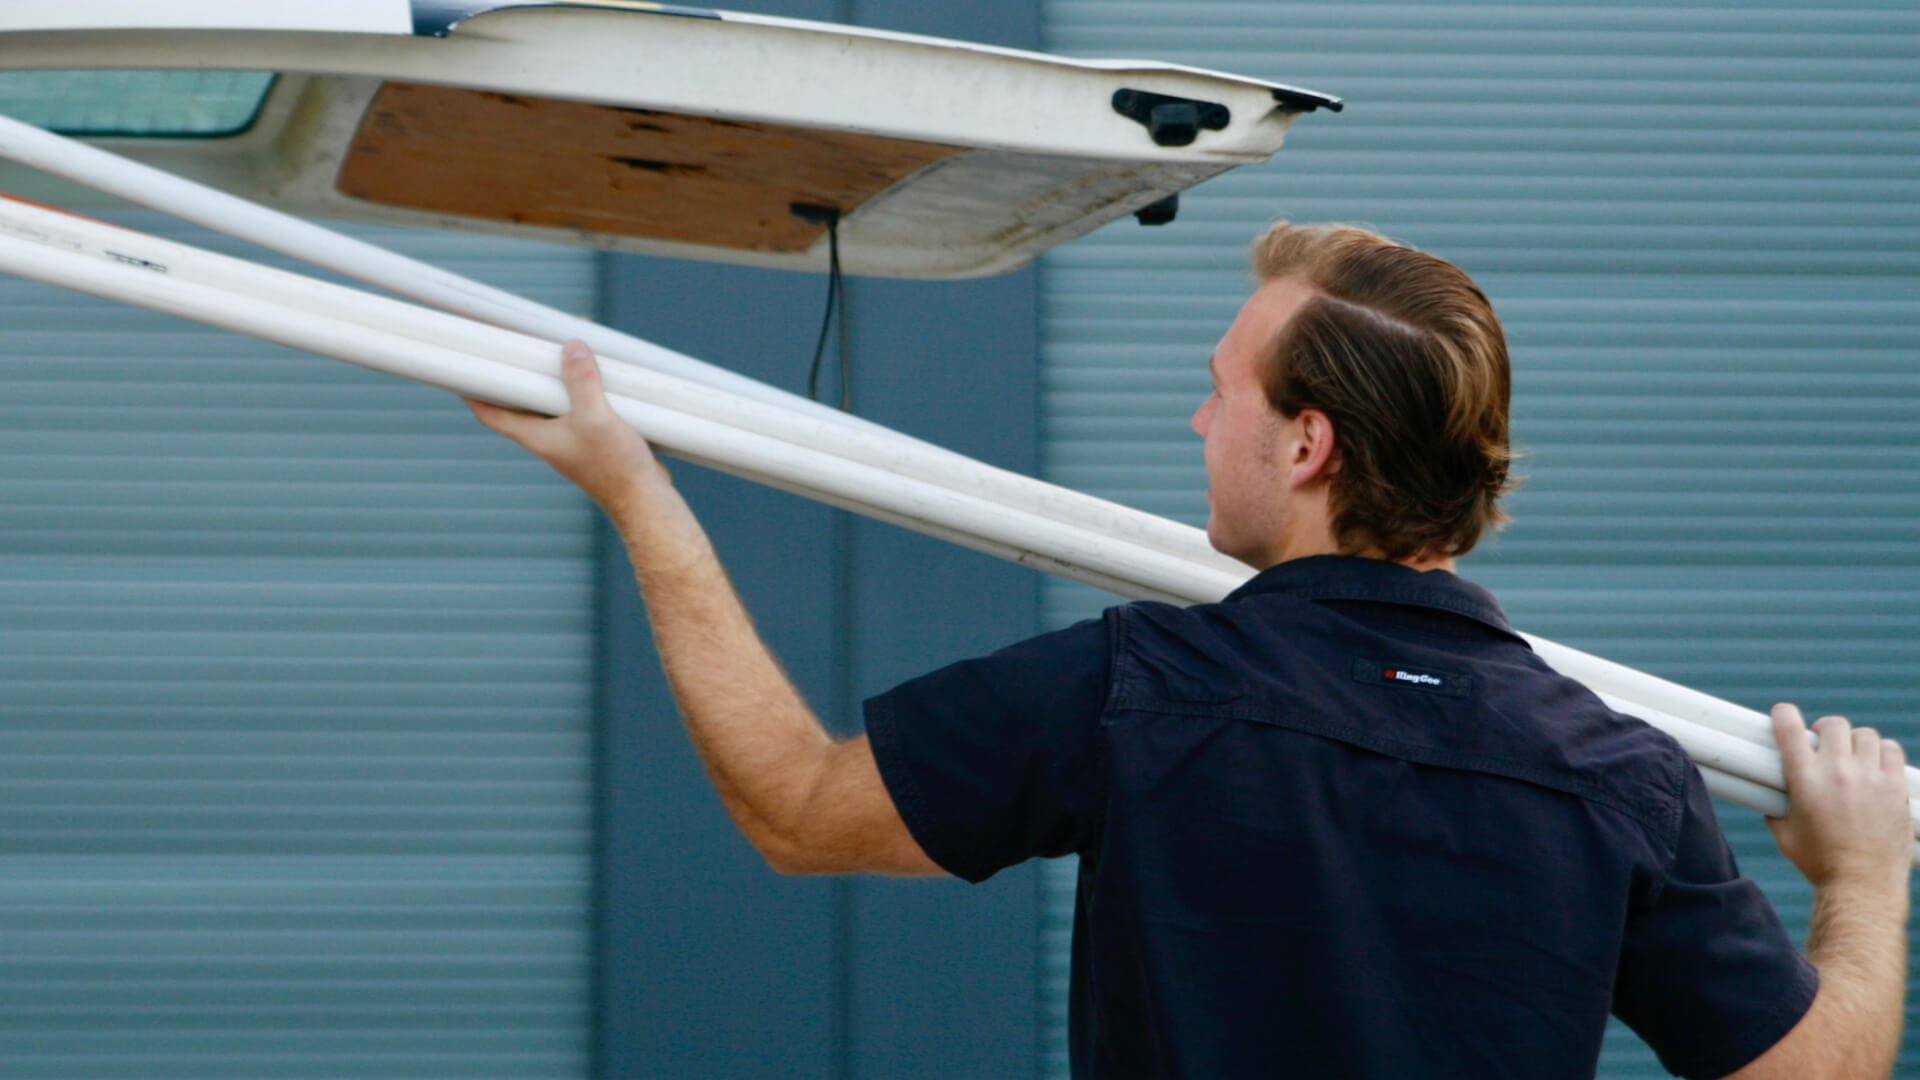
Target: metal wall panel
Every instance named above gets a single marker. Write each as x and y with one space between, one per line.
1701 225
296 669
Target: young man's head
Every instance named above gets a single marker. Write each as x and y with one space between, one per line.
1360 405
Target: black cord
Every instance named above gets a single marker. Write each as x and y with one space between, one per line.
836 302
826 320
840 290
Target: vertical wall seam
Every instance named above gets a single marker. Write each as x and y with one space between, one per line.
599 913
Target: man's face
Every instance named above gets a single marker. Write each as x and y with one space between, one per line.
1247 441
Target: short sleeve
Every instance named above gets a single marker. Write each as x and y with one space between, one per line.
1709 977
991 761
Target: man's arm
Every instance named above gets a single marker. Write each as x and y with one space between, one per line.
809 803
1848 830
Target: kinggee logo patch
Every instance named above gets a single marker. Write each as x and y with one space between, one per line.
1401 676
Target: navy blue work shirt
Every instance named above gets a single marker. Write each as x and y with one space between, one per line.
1345 824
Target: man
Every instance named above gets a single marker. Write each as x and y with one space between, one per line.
1343 824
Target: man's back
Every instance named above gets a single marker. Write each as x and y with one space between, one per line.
1339 833
1345 824
1354 827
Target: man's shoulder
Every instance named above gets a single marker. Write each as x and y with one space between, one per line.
1630 764
1477 701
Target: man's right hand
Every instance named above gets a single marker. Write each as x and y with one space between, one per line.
1849 831
1847 819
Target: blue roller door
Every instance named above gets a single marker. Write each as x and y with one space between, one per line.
295 707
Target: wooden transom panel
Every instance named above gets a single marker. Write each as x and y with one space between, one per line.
609 169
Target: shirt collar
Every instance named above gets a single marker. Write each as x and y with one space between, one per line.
1347 577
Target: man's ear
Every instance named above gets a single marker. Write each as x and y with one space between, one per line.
1315 451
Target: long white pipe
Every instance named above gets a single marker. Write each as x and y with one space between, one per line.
290 235
430 284
325 318
1057 546
1677 700
1758 797
858 440
1726 754
276 231
183 262
1671 699
1737 769
875 447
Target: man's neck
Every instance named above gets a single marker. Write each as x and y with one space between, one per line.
1324 544
1424 563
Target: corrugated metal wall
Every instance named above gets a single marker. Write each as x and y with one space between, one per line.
1701 225
295 707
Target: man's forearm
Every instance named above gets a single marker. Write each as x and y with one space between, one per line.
1848 830
808 803
1857 938
761 744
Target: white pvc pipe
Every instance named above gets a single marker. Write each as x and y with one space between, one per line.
290 235
311 243
1059 547
1671 699
896 455
293 236
1736 768
1674 708
1748 794
876 447
1709 747
1758 797
1723 753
